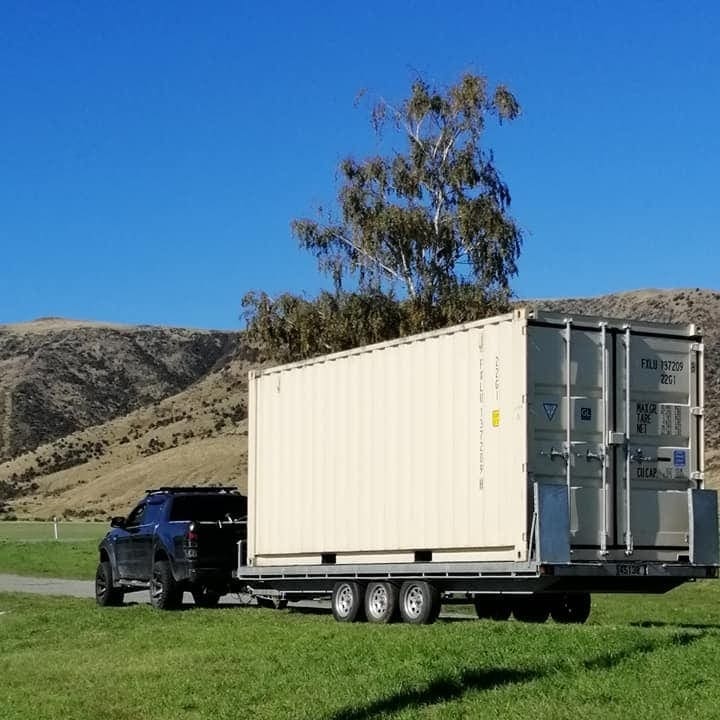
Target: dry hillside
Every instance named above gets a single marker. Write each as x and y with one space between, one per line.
199 435
58 376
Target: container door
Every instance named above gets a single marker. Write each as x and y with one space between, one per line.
570 403
657 393
616 416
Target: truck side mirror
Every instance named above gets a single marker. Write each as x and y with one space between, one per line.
117 522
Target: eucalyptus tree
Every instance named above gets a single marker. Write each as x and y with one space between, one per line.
430 217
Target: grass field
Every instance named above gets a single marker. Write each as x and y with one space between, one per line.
639 657
37 531
26 549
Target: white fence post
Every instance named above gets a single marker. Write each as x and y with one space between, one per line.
55 526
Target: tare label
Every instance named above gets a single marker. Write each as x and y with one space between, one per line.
660 419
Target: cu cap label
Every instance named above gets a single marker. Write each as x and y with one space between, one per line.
679 458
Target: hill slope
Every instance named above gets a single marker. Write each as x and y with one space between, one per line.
199 435
58 376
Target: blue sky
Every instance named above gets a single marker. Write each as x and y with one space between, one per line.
152 155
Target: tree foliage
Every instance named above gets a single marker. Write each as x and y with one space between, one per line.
424 233
431 218
290 327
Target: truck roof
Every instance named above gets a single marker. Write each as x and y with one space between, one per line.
185 489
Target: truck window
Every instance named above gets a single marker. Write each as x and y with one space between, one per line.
135 518
209 507
153 513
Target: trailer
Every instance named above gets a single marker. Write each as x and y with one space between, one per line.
521 462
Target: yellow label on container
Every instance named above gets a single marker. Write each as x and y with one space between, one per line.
496 418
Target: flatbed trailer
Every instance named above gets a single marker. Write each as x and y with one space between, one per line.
521 462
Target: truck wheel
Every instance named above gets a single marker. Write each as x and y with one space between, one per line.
531 608
493 607
419 602
347 602
381 602
570 607
206 598
165 593
105 594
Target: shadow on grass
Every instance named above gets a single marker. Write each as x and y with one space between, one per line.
439 691
472 680
682 626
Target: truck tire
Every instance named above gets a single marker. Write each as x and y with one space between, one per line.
105 594
165 593
419 602
381 602
205 598
347 602
531 608
570 607
493 607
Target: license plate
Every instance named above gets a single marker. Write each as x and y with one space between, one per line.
632 570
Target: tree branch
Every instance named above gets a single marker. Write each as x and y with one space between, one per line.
364 253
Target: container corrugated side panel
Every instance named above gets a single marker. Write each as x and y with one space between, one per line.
415 445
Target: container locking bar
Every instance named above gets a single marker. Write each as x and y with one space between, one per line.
604 451
628 526
568 405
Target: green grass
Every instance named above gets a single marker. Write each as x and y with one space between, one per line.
26 548
36 531
76 560
638 657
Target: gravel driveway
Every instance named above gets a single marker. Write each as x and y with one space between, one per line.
47 586
86 589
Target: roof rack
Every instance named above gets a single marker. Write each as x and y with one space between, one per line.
194 489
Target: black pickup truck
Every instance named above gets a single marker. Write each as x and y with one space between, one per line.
176 539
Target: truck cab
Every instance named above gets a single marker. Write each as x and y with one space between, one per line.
175 539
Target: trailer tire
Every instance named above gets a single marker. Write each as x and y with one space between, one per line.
348 602
165 593
531 608
381 602
419 602
571 608
105 594
493 607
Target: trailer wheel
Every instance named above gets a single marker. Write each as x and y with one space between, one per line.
381 602
419 602
570 608
531 608
347 602
493 607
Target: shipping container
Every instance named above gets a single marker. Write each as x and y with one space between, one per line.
530 453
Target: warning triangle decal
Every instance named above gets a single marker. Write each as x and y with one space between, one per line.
550 409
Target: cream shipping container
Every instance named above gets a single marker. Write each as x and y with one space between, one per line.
522 462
